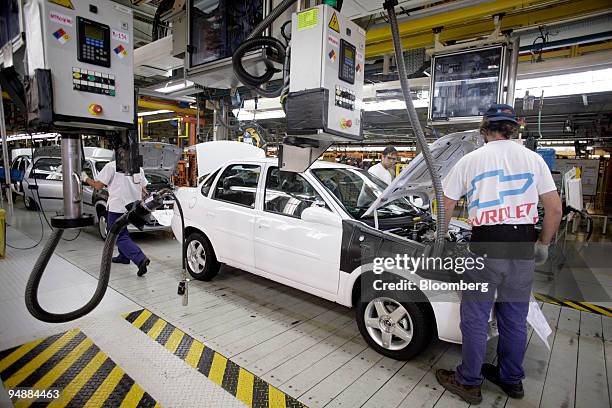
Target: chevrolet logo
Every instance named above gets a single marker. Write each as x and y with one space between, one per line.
502 180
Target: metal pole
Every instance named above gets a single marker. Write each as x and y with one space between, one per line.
512 70
5 155
71 175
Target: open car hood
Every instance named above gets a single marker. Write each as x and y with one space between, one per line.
415 179
160 158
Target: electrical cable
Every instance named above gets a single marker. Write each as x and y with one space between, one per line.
389 5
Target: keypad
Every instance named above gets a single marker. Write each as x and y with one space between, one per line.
94 50
85 80
345 98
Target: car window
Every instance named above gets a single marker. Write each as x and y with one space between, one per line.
208 183
47 169
238 184
289 193
87 170
156 179
23 164
100 165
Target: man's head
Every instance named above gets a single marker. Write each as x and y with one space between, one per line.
499 123
389 157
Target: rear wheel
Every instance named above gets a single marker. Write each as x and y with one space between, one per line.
200 258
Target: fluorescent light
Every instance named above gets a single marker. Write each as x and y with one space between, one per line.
35 136
393 104
155 112
567 84
171 88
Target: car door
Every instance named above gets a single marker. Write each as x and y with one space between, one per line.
231 214
304 252
47 188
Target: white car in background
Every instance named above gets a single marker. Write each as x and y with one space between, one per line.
306 230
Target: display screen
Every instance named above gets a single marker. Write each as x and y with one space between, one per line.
348 53
465 84
94 33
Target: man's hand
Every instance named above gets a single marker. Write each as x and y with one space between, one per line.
449 208
540 253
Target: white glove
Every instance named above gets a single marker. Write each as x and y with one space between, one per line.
84 176
540 253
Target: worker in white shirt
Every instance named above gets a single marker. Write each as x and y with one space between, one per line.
385 170
122 191
502 182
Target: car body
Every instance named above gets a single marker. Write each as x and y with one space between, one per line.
46 191
20 163
306 230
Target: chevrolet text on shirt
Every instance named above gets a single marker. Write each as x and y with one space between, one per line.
502 182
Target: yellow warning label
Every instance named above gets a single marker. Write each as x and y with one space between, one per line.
333 23
63 3
308 19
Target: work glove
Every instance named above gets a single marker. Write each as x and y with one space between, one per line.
540 253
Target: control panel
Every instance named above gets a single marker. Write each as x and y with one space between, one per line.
330 62
88 48
93 42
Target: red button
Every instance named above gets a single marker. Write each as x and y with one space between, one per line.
95 109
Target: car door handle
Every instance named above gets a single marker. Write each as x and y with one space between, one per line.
263 225
33 187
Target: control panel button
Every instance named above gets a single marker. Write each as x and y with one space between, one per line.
95 109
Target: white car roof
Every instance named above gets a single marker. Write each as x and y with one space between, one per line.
319 164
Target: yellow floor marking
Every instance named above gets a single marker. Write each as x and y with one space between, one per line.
244 390
195 351
174 340
276 398
576 306
142 318
599 309
105 389
156 329
79 381
217 369
17 354
56 372
40 359
133 397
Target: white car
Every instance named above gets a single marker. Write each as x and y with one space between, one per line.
306 230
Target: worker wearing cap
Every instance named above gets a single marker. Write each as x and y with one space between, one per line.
502 183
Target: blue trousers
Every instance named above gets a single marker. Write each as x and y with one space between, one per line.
127 248
513 280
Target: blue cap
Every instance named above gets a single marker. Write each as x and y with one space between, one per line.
499 111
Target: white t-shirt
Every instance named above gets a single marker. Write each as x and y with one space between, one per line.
122 190
502 182
379 171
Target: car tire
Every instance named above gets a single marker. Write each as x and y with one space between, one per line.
102 225
29 203
409 335
200 259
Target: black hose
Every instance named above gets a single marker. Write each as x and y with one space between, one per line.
178 204
389 5
254 82
31 293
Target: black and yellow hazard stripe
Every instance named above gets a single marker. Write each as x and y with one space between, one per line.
582 306
73 364
245 386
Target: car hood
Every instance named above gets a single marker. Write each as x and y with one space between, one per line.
160 158
415 179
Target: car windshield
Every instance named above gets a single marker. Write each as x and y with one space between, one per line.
357 189
100 164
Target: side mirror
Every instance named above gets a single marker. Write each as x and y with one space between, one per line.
322 216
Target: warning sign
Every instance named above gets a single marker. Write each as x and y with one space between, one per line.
308 19
63 3
333 23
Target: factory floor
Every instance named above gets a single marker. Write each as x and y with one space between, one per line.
245 340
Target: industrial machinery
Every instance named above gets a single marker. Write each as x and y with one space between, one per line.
76 72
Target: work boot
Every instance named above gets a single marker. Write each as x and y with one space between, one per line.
491 373
142 267
120 259
469 393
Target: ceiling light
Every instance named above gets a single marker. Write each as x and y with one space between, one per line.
171 88
155 112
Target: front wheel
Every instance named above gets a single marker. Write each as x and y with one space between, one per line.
200 258
30 204
396 329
